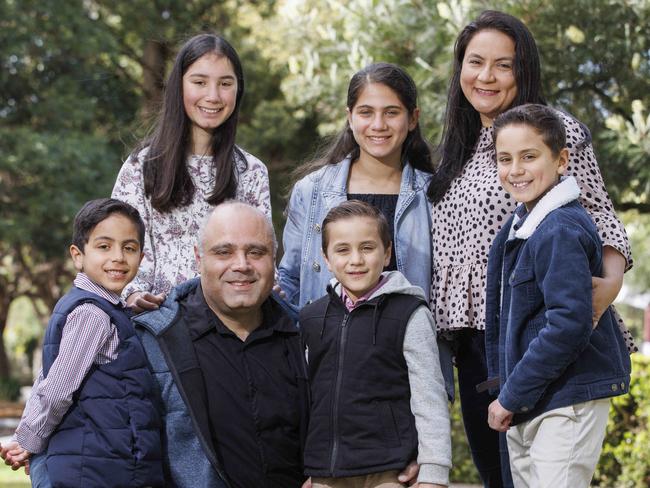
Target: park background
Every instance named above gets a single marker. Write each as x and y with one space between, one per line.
81 82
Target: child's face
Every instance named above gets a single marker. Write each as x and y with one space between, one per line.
209 94
380 123
112 254
355 254
527 167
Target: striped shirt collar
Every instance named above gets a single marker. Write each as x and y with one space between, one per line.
350 304
83 282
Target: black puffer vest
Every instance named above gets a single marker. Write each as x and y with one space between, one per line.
360 420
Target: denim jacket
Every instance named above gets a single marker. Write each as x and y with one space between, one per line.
303 274
539 336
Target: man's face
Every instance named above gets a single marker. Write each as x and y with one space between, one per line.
236 263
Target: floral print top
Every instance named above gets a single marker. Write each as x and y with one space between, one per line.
467 219
170 236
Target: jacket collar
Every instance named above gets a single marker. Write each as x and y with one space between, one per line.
524 224
201 319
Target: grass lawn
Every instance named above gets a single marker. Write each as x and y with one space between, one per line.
13 479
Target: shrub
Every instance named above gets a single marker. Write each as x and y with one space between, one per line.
625 462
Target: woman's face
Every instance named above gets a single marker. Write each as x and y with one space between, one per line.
487 75
209 95
380 123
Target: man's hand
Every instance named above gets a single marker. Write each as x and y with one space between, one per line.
142 301
307 484
498 417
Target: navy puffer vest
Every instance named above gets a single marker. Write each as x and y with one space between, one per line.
360 420
110 436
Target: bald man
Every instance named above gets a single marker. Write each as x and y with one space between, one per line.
229 363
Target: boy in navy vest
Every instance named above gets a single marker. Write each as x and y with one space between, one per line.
90 420
377 394
557 369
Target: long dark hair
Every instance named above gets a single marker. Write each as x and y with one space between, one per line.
462 121
167 180
415 149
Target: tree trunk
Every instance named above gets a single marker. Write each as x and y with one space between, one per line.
153 71
5 367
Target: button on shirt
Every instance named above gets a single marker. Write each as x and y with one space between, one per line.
252 397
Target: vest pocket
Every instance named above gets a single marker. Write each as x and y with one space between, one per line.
390 434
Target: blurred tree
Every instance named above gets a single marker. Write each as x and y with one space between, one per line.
595 62
81 80
596 65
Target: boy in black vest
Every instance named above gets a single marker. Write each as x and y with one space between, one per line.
90 420
377 394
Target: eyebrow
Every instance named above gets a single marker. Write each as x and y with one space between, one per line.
502 58
247 247
107 238
201 75
383 108
519 150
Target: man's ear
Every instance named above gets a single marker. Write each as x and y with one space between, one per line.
197 256
77 256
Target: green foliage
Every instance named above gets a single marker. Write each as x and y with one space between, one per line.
595 63
624 462
637 226
324 43
463 469
44 179
9 389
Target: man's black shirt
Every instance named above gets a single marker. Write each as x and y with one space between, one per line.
252 393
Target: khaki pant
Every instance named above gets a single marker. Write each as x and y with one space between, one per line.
560 448
385 479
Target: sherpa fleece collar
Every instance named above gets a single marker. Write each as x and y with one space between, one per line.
564 192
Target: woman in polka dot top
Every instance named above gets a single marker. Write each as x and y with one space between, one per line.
496 66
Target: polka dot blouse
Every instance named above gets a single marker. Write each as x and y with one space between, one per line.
467 219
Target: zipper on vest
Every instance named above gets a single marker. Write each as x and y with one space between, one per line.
343 336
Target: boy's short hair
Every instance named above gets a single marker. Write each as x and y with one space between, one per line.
543 119
356 208
95 211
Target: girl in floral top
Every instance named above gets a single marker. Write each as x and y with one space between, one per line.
189 165
496 66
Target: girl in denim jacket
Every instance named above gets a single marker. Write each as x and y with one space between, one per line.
380 157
